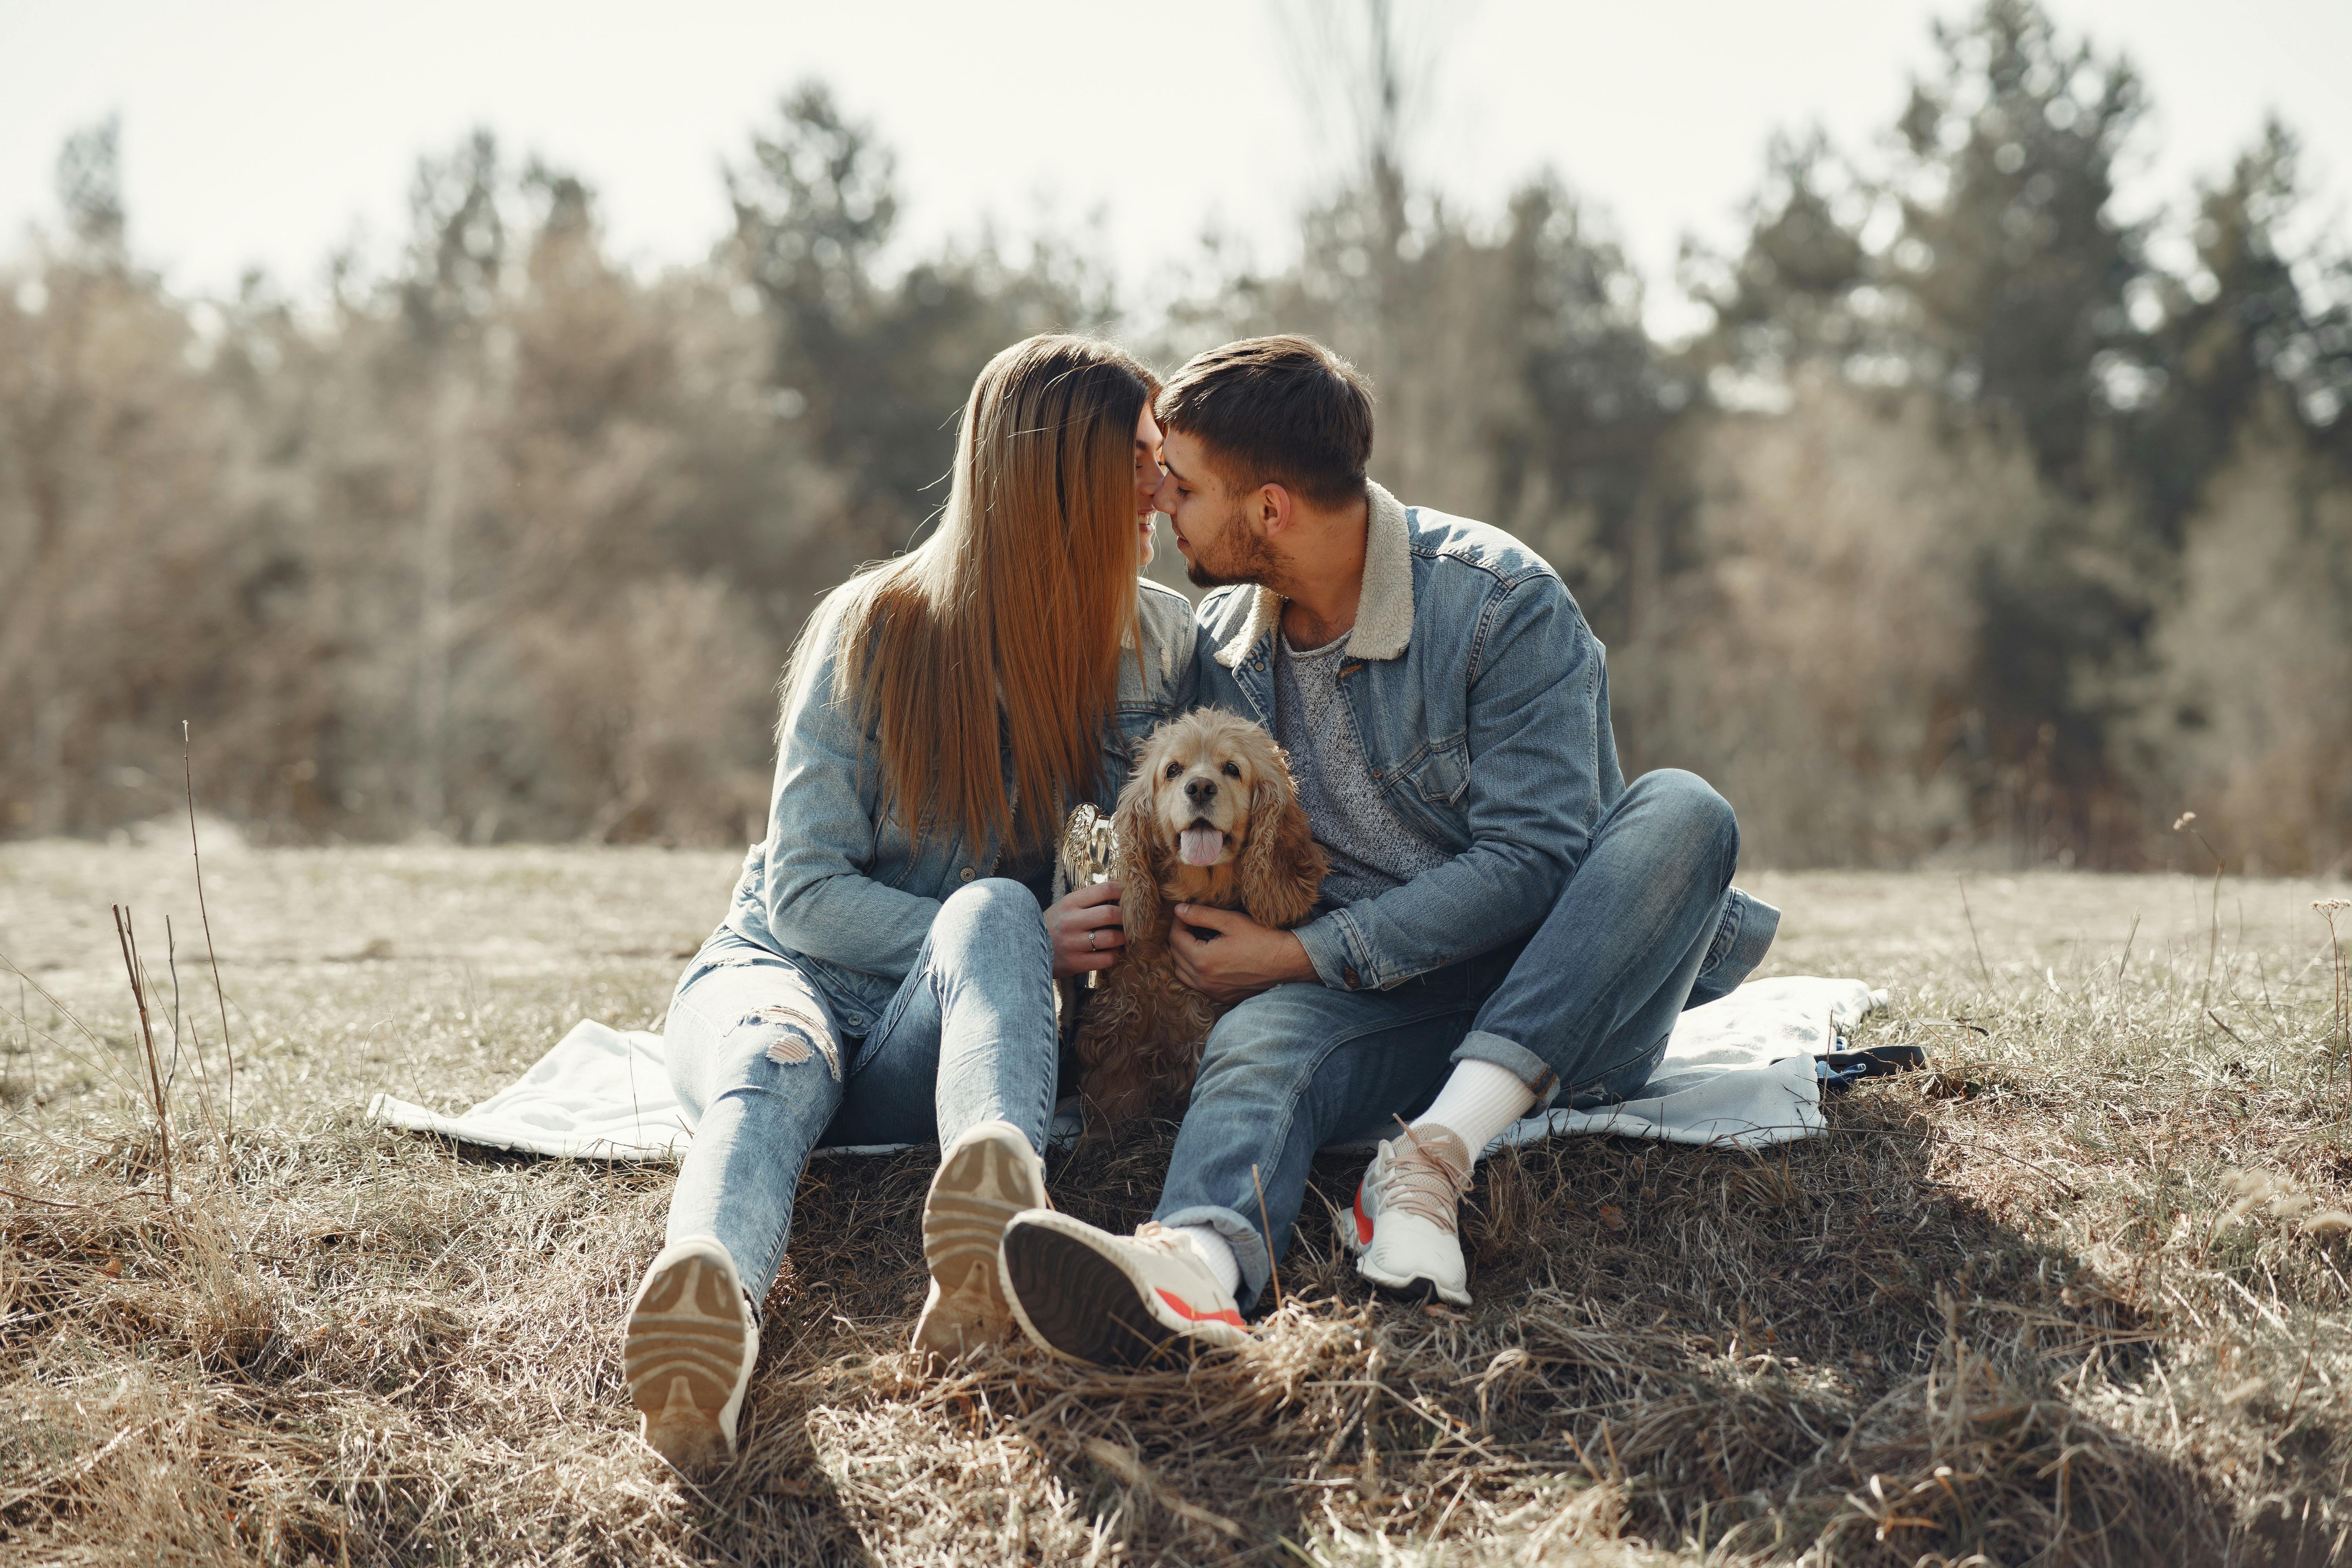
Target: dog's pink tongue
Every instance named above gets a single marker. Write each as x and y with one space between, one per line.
1201 845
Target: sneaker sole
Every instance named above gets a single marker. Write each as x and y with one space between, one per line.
975 1196
1087 1307
980 1188
1417 1292
683 1358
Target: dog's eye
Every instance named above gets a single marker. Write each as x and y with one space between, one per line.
1173 769
1233 769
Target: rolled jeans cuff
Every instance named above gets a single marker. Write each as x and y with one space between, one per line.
1531 1069
1244 1238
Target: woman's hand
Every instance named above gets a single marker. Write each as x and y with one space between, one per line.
1084 927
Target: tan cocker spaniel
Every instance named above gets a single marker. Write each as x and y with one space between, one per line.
1209 817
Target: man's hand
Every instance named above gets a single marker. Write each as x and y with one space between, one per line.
1242 959
1083 926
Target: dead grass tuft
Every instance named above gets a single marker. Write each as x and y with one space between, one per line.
2077 1295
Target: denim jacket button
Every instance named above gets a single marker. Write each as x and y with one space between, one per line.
967 873
1350 976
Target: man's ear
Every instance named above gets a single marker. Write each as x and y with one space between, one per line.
1273 510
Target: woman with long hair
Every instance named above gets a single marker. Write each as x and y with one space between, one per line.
885 973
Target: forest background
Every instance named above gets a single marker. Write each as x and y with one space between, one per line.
1976 524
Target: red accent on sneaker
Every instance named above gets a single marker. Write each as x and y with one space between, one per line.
1178 1302
1363 1225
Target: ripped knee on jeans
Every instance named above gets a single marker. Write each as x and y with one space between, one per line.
797 1036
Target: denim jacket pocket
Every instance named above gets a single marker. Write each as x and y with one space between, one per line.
1122 738
1444 775
1129 726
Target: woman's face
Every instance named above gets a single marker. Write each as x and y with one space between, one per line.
1147 475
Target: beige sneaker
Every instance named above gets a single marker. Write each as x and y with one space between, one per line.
1149 1300
1407 1228
690 1346
986 1176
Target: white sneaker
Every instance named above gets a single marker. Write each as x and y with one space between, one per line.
1143 1301
690 1346
1406 1230
986 1176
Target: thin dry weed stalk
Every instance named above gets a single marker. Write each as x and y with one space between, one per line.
2075 1296
147 1040
2329 909
1274 1265
204 909
2186 822
1983 970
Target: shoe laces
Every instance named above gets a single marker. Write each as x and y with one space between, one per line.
1172 1244
1160 1238
1428 1172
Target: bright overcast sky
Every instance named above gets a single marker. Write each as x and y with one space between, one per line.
256 133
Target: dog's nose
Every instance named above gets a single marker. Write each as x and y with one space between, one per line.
1200 791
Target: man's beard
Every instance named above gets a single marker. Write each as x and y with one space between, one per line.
1251 559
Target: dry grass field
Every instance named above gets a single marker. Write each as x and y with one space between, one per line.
2077 1294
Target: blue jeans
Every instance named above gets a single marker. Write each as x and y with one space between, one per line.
1583 1008
757 1056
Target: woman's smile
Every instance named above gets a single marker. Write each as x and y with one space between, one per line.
1147 475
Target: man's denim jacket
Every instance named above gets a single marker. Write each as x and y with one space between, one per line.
846 895
1481 698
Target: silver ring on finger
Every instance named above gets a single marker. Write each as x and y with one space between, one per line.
1093 939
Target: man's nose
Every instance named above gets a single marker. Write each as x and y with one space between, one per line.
1163 495
1200 791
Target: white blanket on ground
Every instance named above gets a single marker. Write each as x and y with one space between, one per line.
1740 1073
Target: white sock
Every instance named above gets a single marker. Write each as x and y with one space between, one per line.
1479 1103
1216 1251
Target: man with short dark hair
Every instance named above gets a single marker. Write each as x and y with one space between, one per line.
1506 922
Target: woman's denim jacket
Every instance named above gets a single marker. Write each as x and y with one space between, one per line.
845 893
1481 698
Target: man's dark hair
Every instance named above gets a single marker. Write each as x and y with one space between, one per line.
1281 410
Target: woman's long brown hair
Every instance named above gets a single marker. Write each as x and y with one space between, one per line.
1001 633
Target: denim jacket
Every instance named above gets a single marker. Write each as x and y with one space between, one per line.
847 895
1481 700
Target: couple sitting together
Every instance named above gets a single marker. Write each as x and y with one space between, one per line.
1502 922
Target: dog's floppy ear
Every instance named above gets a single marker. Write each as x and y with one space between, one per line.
1138 850
1281 868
